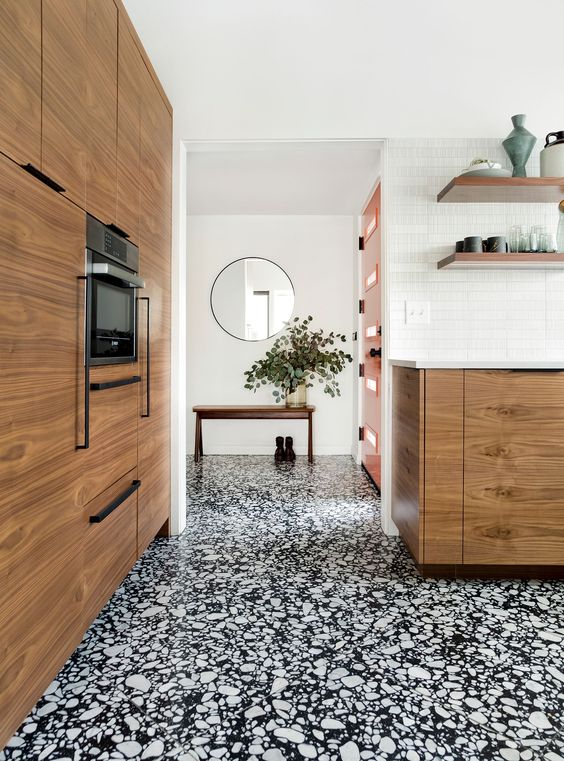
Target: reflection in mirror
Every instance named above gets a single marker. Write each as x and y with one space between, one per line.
252 299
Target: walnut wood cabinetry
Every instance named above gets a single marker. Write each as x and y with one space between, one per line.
101 107
155 243
41 256
62 63
65 116
478 470
20 80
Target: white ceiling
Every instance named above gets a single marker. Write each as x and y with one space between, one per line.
281 178
302 69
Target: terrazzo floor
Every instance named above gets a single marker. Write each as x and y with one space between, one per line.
283 624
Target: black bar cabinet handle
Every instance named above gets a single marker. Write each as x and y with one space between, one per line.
87 298
103 514
148 413
115 383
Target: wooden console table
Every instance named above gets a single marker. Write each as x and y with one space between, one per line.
252 412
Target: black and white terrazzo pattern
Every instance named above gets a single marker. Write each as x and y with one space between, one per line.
284 625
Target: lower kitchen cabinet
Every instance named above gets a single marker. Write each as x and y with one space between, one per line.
478 470
110 542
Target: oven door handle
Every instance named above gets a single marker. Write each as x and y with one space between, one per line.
148 354
87 349
121 277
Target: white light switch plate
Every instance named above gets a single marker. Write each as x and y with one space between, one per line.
417 312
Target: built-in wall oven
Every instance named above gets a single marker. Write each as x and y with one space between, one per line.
112 268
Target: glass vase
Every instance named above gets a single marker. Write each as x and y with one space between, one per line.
298 397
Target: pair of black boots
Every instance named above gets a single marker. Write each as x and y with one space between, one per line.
284 454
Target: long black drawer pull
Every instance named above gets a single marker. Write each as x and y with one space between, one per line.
115 384
44 178
116 503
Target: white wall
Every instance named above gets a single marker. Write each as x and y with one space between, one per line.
316 252
256 69
498 315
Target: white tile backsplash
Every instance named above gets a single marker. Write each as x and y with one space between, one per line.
475 315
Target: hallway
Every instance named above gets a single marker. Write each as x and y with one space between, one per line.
283 624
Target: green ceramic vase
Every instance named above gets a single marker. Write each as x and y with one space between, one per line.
519 145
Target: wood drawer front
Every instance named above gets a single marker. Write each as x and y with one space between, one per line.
113 431
20 80
514 468
110 546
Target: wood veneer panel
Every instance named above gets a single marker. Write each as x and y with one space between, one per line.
41 256
155 257
101 98
65 112
130 77
113 431
20 80
444 425
503 190
514 468
408 415
110 547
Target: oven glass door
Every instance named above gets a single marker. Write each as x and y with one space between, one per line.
112 337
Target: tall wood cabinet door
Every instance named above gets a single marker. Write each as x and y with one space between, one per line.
64 127
514 468
41 256
155 253
101 99
20 80
130 73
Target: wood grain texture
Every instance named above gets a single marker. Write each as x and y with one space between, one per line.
408 420
125 21
514 468
113 432
252 411
155 258
502 261
65 113
503 190
101 104
40 526
110 547
130 71
20 80
444 427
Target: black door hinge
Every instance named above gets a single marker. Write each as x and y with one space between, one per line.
361 433
43 178
355 336
361 243
361 370
379 331
361 306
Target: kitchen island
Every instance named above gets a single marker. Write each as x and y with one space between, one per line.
478 467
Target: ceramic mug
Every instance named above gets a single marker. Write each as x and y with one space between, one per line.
497 244
473 244
459 246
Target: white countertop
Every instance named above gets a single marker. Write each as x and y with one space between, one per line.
461 364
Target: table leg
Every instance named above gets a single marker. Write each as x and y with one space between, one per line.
198 438
310 438
201 439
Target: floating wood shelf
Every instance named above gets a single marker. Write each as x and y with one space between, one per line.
503 190
502 261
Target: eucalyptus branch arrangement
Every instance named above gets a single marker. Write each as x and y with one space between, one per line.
300 356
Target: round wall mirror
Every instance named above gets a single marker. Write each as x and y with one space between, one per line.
252 299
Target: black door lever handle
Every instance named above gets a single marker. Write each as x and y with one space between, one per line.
375 352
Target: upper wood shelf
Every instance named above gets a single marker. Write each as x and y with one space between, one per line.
502 261
503 190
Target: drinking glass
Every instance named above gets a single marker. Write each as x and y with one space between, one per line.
515 235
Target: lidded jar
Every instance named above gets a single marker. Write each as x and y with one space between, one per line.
552 155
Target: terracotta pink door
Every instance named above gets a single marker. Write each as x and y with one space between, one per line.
371 294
